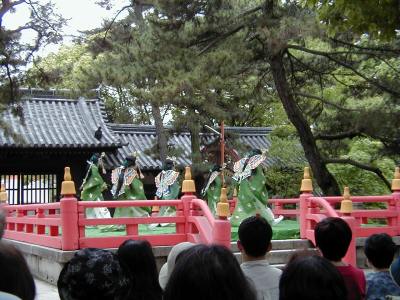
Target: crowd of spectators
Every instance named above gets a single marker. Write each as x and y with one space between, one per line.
212 272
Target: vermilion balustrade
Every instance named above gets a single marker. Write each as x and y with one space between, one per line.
62 225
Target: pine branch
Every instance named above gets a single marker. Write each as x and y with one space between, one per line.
113 20
330 55
359 165
7 5
379 49
338 136
324 101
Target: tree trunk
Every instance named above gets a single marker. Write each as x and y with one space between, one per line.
194 129
321 174
160 131
155 108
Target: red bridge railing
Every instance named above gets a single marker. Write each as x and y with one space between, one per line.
63 225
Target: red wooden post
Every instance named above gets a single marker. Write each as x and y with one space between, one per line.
188 190
346 208
41 229
221 234
351 255
69 214
222 227
180 228
20 215
396 195
81 216
53 229
132 229
29 228
306 189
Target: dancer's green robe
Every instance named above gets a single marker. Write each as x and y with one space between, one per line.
173 194
168 188
92 191
213 194
252 198
134 191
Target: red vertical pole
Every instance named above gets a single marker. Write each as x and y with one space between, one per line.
69 223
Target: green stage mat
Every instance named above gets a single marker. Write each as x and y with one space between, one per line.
287 229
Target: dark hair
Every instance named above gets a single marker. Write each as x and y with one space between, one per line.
312 278
93 274
137 257
207 273
15 277
380 250
333 237
168 164
2 222
255 235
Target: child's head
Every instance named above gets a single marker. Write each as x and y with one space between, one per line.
333 237
380 250
206 273
312 278
255 235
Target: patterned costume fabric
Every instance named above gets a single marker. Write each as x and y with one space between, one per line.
380 285
167 189
131 189
93 274
212 191
92 189
252 194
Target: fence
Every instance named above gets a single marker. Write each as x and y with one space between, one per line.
30 188
62 225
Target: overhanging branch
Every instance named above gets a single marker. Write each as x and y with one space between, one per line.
331 56
359 165
323 101
338 136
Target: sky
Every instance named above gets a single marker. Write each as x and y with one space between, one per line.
82 15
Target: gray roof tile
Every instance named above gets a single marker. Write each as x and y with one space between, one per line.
142 137
58 123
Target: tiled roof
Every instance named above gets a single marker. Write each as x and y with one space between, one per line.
142 137
49 122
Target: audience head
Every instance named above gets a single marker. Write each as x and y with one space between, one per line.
379 250
395 271
168 267
311 277
15 277
333 237
93 274
138 258
2 222
207 273
255 236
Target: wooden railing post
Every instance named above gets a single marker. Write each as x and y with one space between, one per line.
396 196
306 190
346 209
188 190
69 213
3 195
221 234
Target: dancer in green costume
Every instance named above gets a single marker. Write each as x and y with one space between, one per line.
252 195
212 188
168 187
128 186
92 187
